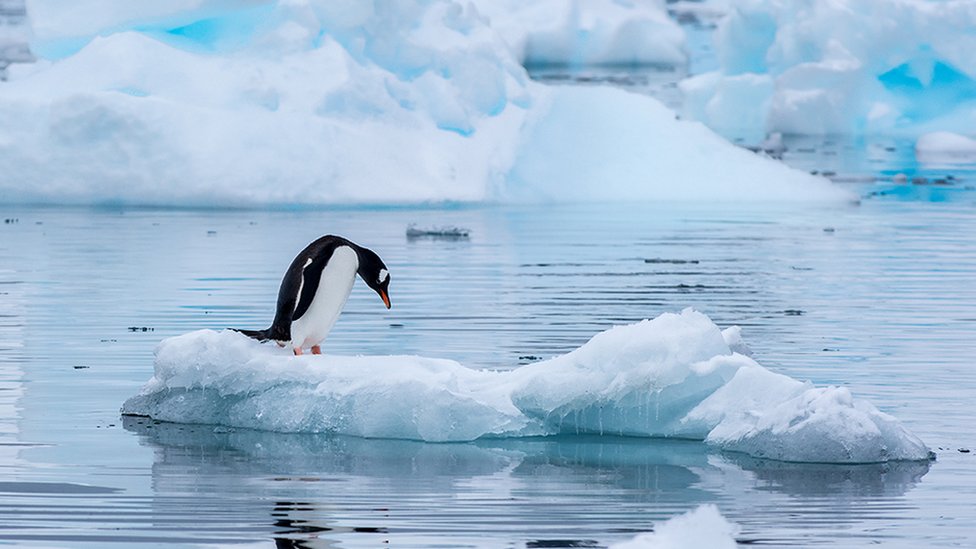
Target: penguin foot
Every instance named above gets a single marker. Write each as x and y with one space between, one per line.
316 350
298 351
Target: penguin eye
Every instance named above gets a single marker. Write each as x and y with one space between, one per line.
383 276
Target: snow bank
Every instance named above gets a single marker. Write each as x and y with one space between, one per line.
945 148
701 527
576 33
674 376
820 67
314 102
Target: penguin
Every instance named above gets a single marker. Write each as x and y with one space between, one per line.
315 288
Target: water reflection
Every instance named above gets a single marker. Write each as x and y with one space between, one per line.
863 481
322 490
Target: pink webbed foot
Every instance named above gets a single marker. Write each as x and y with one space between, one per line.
316 350
298 351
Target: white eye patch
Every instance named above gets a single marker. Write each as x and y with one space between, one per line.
383 276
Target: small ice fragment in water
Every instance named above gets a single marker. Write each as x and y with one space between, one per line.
701 527
672 261
446 232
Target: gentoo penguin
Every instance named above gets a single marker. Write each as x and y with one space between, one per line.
315 288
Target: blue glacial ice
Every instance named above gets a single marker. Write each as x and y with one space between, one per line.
674 376
315 102
895 67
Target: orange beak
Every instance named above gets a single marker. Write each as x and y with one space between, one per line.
386 298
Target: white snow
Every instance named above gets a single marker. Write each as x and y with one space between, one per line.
674 376
821 67
945 148
577 33
702 527
314 102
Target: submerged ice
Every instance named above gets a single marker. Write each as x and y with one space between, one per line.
674 376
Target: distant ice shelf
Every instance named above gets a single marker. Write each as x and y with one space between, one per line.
674 376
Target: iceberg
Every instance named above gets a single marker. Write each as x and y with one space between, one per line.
703 526
575 34
311 102
901 67
674 376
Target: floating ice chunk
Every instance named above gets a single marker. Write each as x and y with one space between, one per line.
444 232
673 376
701 527
945 148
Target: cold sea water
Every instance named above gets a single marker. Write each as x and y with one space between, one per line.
878 297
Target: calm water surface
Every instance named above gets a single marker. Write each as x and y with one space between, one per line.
878 297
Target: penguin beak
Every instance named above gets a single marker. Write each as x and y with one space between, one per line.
386 298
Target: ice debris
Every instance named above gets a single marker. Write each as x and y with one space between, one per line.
674 376
701 527
446 232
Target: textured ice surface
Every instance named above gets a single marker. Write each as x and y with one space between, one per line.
593 32
808 67
945 148
213 103
701 527
674 376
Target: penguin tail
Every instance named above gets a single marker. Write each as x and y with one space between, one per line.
260 335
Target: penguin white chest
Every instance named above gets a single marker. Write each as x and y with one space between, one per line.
335 285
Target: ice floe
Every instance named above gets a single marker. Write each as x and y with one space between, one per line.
902 66
674 376
313 102
703 526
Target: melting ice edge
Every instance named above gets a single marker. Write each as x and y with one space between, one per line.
678 375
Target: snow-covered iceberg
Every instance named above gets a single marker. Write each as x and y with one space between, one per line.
674 376
574 33
315 102
822 67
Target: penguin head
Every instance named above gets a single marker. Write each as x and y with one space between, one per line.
374 273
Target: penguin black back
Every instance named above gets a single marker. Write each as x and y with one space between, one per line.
300 284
